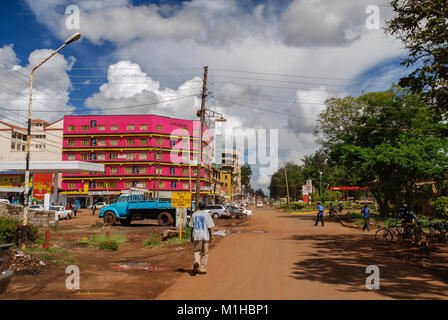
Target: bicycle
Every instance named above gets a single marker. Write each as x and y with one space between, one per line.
437 231
399 231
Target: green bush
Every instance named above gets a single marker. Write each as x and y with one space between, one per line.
8 229
354 215
108 245
441 207
330 195
297 205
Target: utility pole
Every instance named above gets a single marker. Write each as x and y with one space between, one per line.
202 115
154 174
286 178
74 37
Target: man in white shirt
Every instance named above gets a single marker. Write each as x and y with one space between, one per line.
201 235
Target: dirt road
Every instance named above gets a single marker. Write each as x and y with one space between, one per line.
282 256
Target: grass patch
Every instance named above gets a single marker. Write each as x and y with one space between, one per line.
153 241
108 245
103 242
51 254
358 222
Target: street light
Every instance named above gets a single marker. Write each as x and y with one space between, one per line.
74 37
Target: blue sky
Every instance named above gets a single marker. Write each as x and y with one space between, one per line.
272 63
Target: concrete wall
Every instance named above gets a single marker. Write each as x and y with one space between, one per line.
37 218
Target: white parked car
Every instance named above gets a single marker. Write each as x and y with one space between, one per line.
5 201
36 207
244 210
62 212
100 205
259 204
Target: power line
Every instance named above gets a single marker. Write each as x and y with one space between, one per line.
25 81
289 75
267 110
285 88
112 108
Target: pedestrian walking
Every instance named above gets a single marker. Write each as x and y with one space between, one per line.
76 207
93 209
202 223
366 213
320 214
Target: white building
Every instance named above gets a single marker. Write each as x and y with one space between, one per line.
46 141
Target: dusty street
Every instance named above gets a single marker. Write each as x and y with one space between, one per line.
271 255
293 259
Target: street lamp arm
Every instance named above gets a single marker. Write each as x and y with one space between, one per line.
49 57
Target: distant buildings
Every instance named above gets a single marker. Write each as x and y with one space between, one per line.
46 141
150 152
46 145
231 173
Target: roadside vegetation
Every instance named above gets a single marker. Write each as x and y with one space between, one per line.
104 242
155 240
8 231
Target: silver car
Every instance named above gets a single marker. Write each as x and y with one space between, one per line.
218 211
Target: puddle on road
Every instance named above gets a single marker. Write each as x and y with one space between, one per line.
132 266
227 232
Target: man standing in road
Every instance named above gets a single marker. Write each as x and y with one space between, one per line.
365 213
201 235
320 214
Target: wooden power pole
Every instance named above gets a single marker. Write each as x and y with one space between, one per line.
202 115
286 178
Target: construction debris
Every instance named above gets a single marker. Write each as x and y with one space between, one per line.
26 264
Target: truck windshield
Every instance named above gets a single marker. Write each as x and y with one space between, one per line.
123 199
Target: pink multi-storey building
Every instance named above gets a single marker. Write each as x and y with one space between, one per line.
139 151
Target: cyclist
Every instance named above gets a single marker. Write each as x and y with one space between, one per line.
408 219
405 214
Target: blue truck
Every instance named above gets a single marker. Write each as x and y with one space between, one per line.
138 206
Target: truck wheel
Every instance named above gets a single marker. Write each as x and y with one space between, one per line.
215 216
110 218
165 219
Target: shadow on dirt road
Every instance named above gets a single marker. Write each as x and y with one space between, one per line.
340 259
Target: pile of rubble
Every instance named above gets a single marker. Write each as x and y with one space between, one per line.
23 263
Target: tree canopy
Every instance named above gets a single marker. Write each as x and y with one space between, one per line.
387 140
423 27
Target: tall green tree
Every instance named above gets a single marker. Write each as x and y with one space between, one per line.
387 140
246 175
277 187
423 28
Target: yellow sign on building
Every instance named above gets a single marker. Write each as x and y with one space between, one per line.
181 199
